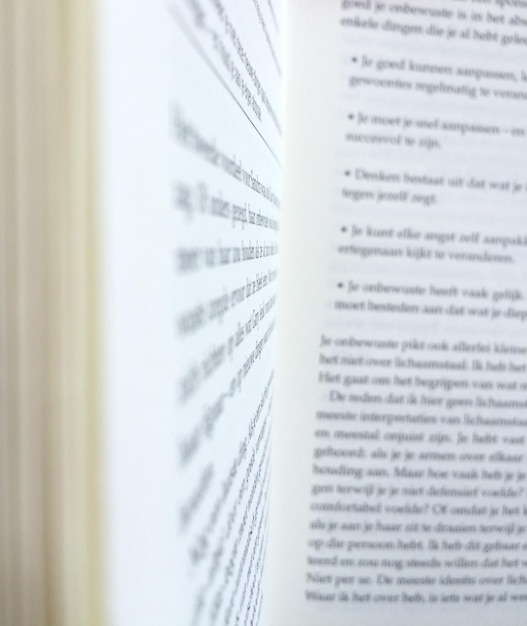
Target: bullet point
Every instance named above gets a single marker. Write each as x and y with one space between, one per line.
347 173
354 59
340 285
343 229
350 116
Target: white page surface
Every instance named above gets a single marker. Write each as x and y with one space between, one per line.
399 470
191 143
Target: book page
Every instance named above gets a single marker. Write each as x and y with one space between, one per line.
399 490
191 142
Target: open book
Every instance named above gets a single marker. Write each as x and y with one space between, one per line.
265 337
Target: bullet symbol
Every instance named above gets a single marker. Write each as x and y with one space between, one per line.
347 173
343 229
340 285
354 59
350 116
